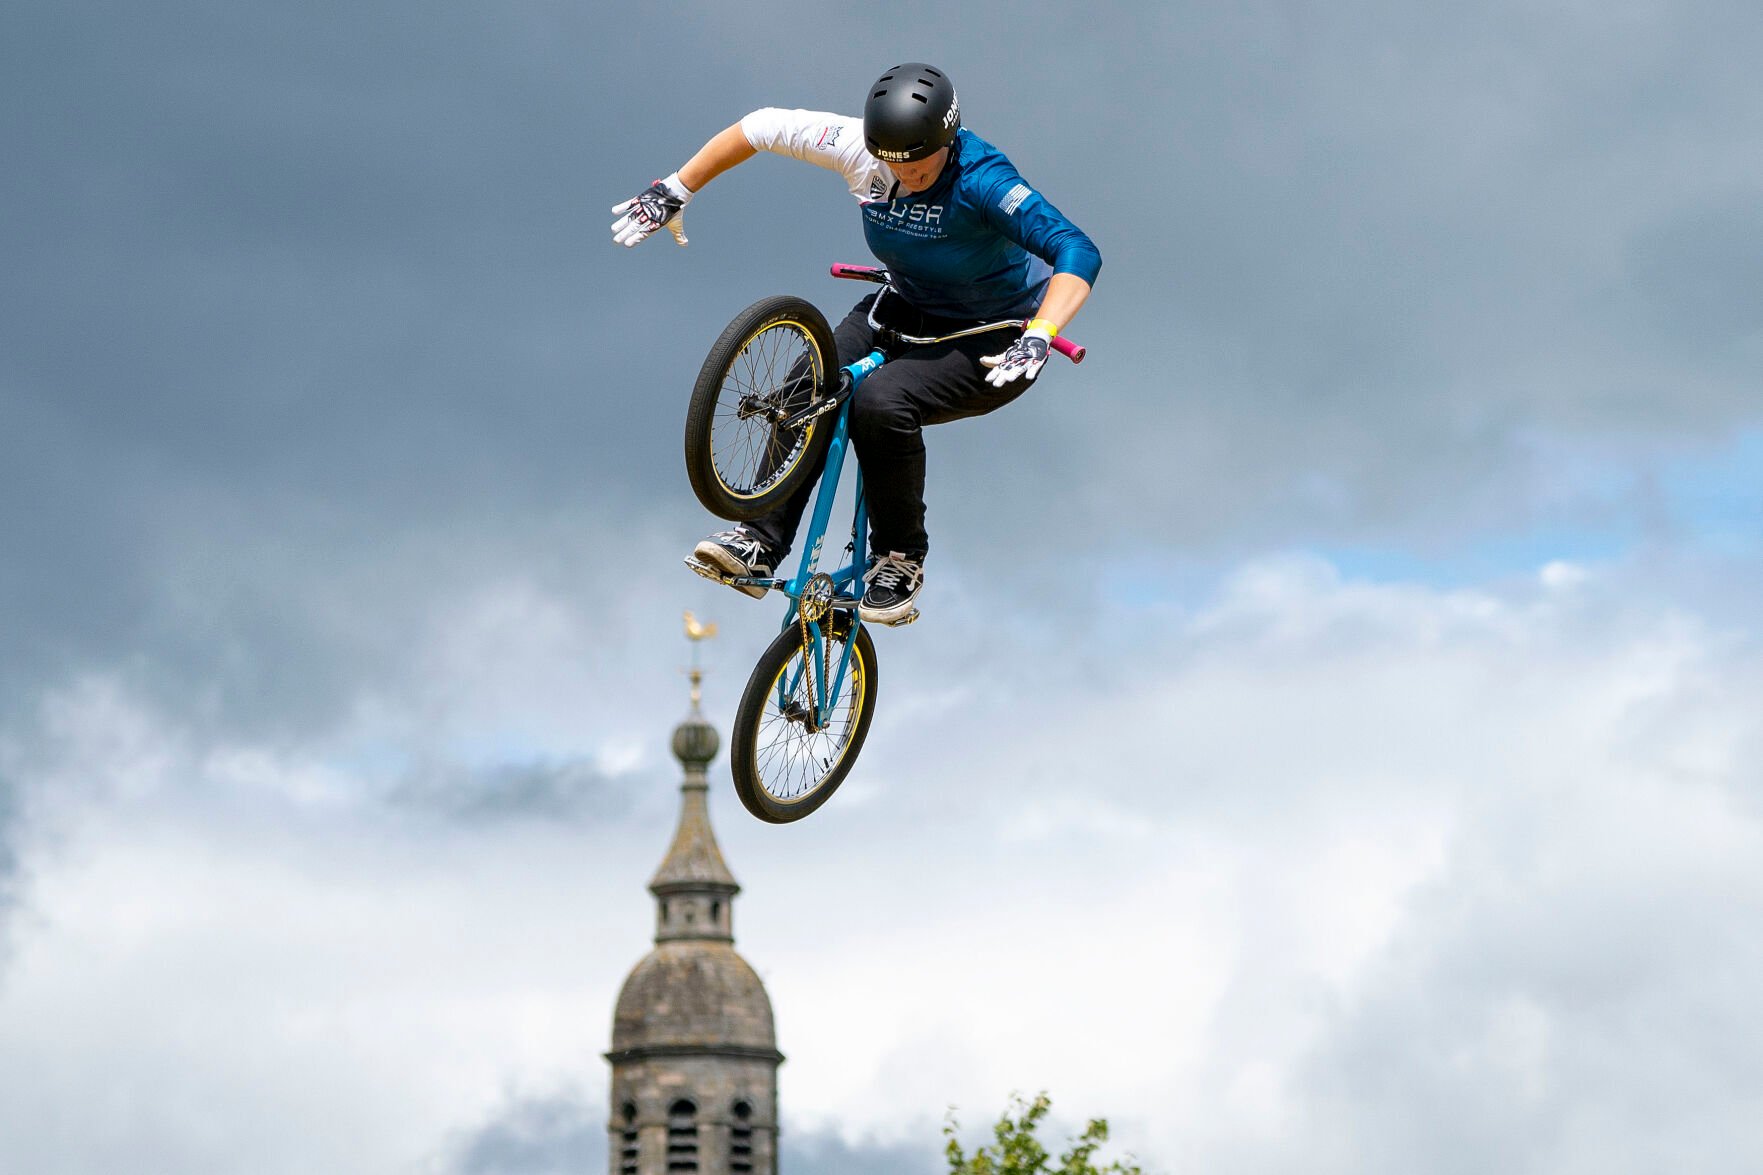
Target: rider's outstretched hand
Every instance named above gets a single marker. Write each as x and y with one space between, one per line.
1025 357
661 204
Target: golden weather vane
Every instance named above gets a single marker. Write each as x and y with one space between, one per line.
697 633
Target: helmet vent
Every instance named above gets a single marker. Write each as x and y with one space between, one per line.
910 113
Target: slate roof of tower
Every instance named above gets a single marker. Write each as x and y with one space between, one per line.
694 859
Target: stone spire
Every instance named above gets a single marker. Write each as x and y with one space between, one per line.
693 888
694 1051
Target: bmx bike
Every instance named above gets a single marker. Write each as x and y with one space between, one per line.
769 402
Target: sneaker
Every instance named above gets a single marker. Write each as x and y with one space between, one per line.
893 581
735 552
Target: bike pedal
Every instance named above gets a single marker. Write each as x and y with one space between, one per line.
903 621
707 571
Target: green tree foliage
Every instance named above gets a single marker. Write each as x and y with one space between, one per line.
1016 1151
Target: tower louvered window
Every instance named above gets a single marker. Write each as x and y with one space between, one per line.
740 1140
627 1144
682 1136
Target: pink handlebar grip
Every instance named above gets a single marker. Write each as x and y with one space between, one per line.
1069 349
865 273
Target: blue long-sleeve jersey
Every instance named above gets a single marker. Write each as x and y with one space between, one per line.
981 242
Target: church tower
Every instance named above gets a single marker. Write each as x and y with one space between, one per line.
694 1052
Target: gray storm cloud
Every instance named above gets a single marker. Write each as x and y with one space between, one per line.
283 288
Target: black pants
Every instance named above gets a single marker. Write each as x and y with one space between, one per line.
921 385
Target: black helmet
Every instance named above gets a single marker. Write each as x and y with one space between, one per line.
911 113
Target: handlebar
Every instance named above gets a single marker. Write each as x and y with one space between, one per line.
862 273
871 273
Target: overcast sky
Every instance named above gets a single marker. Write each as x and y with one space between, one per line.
1333 735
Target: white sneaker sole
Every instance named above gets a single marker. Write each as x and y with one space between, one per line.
725 561
904 612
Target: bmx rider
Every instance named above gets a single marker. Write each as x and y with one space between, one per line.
967 241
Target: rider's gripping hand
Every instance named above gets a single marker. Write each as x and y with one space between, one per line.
1025 356
661 204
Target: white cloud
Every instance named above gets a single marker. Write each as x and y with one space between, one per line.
1208 871
1170 876
220 967
1213 872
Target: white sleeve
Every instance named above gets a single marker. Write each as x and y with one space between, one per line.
832 141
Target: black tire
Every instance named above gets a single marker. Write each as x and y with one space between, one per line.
777 353
783 771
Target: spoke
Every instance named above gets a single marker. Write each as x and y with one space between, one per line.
749 454
791 761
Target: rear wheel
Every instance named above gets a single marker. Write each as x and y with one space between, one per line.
785 764
776 358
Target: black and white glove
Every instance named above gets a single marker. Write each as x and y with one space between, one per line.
660 205
1025 356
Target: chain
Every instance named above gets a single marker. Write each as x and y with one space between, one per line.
815 605
808 667
826 660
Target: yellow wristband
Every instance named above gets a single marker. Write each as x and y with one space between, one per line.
1045 325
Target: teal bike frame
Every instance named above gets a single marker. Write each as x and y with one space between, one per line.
840 591
816 599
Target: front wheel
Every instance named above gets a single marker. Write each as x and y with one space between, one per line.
786 763
776 358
